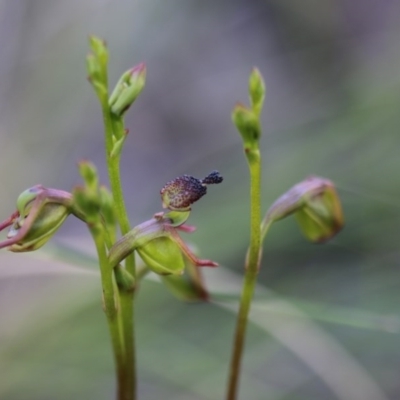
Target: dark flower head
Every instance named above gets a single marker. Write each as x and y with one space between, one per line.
180 193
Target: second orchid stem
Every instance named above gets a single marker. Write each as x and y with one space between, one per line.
247 121
252 267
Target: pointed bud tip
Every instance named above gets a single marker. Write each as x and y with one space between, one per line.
240 106
139 69
256 90
93 39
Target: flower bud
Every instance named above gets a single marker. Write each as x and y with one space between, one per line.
88 172
256 90
316 206
40 212
99 49
25 199
322 216
43 228
88 202
248 125
128 88
96 65
107 207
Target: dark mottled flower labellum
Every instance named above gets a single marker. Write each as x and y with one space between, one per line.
180 193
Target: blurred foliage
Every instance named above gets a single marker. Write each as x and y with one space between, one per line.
333 93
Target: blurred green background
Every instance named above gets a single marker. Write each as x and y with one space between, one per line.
326 322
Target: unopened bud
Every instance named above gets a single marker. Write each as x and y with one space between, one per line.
128 88
96 65
40 212
88 172
256 90
248 125
99 49
107 207
88 202
322 216
316 206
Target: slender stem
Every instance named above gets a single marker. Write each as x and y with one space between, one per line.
252 266
113 320
126 299
128 318
116 189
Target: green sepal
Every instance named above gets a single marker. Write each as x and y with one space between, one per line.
162 256
256 90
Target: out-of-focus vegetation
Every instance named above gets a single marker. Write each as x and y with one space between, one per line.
326 324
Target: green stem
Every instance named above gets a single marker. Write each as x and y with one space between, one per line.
126 299
113 320
252 267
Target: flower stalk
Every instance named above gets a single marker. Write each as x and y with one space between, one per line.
314 202
247 121
114 131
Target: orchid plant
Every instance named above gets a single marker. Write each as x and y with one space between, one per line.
41 211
